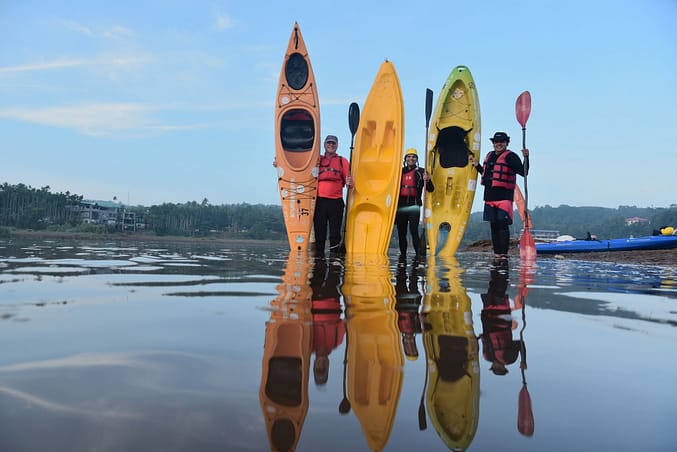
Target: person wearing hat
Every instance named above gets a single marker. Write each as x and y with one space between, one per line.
499 179
498 346
409 201
334 174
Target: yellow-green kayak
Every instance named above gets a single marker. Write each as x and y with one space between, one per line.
454 136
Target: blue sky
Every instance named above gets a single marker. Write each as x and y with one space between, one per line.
173 100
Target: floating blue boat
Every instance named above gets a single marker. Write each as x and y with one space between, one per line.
653 242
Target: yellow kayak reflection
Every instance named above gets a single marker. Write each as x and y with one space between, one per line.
452 355
375 359
286 356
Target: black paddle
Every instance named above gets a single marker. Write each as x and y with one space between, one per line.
344 406
353 122
428 111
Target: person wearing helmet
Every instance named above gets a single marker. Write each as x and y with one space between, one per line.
409 201
499 179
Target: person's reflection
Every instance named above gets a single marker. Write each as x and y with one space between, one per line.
452 354
375 359
328 326
408 301
284 376
498 346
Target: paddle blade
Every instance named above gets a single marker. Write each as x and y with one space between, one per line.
442 236
422 424
353 117
527 247
525 416
523 108
428 105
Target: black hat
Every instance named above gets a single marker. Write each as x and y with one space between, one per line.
500 136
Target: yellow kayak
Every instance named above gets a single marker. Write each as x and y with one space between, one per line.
297 141
375 359
454 135
375 166
286 356
451 349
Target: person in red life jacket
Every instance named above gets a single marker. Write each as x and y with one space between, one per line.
333 176
328 326
407 303
409 201
499 178
498 346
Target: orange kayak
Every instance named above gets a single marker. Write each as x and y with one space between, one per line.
297 141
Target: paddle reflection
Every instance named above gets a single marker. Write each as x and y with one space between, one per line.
451 349
288 344
375 360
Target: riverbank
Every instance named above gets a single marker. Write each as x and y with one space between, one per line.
661 258
132 236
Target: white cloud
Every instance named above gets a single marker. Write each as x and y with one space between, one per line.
101 119
71 62
113 32
223 22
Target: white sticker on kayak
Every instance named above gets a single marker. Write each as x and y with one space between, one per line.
472 184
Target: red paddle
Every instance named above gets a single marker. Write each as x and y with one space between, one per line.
522 111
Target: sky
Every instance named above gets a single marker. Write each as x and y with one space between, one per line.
154 101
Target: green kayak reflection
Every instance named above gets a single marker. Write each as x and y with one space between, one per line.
451 349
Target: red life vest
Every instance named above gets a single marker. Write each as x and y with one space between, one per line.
331 168
408 184
501 176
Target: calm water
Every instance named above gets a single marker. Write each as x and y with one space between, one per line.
156 347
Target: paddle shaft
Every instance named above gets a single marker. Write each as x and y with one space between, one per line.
353 122
428 111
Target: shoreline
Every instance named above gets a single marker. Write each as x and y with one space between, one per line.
655 258
132 237
660 258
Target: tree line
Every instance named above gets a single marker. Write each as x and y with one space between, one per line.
25 207
605 223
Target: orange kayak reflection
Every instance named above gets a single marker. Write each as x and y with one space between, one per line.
286 357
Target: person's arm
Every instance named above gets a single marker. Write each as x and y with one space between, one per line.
476 164
515 164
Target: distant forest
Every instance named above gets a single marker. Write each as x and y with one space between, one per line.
25 207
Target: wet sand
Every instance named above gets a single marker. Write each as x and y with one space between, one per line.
660 258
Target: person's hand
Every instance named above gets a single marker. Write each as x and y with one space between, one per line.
525 152
349 182
275 162
426 178
473 160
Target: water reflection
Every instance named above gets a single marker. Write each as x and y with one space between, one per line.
163 346
499 347
286 357
328 326
452 354
375 361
